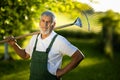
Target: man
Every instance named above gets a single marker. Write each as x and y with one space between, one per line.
46 51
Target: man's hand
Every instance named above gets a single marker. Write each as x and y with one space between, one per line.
10 40
21 52
76 58
59 73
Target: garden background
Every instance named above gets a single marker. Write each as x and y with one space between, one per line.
100 45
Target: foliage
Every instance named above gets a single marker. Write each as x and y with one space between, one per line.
17 16
71 7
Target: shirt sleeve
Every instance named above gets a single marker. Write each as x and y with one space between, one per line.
65 47
29 48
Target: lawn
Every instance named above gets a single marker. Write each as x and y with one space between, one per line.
95 66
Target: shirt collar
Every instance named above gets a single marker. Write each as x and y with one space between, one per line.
49 37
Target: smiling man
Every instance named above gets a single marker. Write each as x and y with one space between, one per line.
46 51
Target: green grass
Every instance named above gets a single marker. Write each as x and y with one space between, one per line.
14 70
95 66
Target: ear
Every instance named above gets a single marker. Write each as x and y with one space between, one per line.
53 24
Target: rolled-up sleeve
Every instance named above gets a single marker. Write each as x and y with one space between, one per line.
66 48
29 47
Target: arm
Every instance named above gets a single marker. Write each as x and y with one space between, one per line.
21 52
76 58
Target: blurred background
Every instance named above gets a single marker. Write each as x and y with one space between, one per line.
98 38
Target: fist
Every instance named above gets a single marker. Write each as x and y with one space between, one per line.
10 40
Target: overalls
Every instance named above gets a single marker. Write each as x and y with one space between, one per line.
39 60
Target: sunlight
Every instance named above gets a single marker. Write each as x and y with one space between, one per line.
91 61
103 5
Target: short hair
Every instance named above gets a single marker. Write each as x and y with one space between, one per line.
49 13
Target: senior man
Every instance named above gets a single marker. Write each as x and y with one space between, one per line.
46 51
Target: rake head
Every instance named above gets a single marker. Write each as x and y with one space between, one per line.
78 22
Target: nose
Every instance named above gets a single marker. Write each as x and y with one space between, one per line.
46 23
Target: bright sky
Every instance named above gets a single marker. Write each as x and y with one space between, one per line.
104 5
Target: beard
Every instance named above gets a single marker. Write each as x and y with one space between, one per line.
46 32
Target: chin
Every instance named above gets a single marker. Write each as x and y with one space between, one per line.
45 32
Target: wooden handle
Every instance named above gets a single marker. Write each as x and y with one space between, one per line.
22 36
25 35
30 34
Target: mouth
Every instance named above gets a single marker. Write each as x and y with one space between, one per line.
44 27
45 31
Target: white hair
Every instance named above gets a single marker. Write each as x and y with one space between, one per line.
49 13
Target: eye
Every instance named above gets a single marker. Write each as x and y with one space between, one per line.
43 20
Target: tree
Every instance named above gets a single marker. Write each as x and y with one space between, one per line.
110 21
16 17
71 7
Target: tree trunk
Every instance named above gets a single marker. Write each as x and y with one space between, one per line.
108 47
6 55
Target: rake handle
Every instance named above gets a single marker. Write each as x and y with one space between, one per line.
22 36
33 33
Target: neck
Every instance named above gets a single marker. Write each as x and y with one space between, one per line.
43 36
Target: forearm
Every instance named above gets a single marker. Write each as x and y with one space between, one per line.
69 67
21 52
73 64
76 59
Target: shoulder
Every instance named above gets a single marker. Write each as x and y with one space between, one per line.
33 38
61 40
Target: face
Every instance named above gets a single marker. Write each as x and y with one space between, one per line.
46 24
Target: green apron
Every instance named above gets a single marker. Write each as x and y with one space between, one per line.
39 60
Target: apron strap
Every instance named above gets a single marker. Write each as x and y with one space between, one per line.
49 47
35 43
